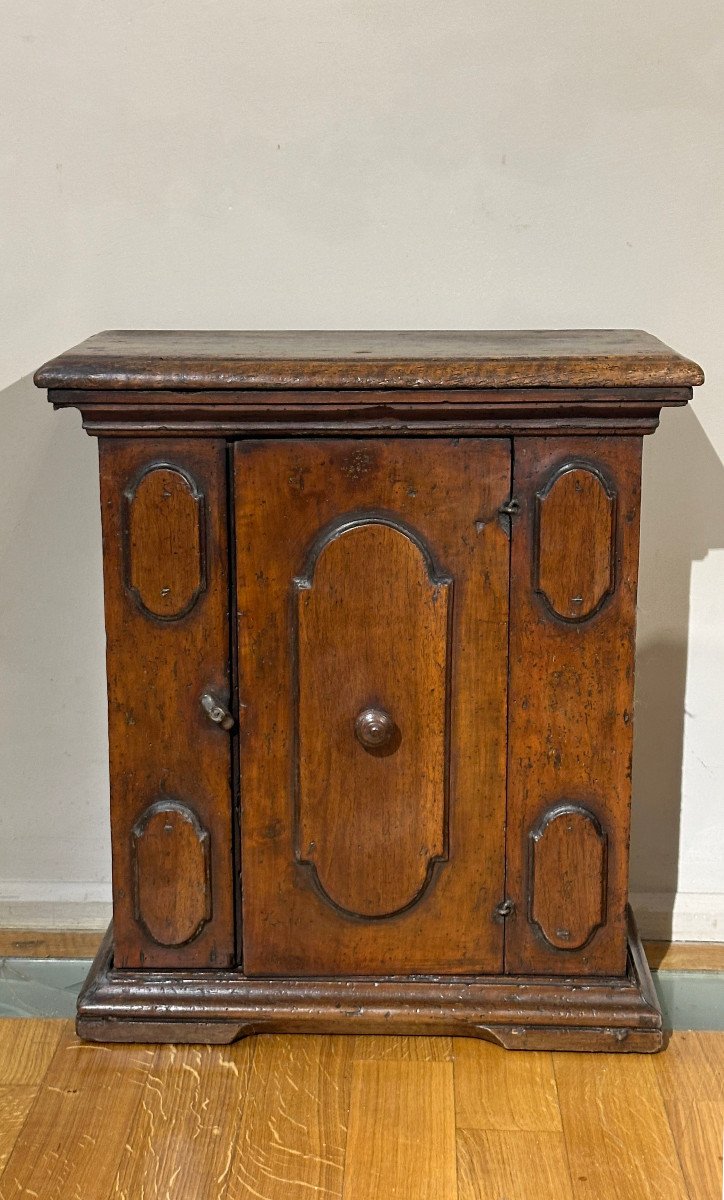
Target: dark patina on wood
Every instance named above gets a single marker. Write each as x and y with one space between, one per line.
370 606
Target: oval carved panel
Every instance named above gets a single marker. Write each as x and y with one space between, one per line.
372 621
568 876
164 530
575 539
171 872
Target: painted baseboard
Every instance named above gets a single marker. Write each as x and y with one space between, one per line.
680 916
661 916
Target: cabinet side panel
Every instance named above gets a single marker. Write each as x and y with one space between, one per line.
164 511
570 728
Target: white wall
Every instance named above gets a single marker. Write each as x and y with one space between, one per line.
330 163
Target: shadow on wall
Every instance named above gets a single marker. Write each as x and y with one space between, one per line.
683 502
54 849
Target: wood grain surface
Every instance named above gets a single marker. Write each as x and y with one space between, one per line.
50 943
401 1139
618 1137
179 359
75 1132
292 1141
291 499
334 1118
172 878
193 1099
520 1166
691 1079
570 723
368 602
15 1104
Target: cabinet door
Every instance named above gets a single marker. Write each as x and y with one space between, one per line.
573 604
372 633
165 519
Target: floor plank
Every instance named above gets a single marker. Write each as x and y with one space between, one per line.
692 1066
70 1145
293 1133
49 943
618 1138
404 1049
690 1074
184 1130
345 1118
401 1141
27 1045
685 956
520 1165
503 1090
15 1105
698 1129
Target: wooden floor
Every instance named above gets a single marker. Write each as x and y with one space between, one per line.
300 1118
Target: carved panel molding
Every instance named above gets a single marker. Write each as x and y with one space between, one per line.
164 533
574 565
568 867
372 716
171 873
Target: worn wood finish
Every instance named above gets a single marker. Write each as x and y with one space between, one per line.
193 1097
397 1046
372 771
168 841
221 359
170 766
73 1137
428 582
15 1104
570 726
517 1012
292 1138
398 412
286 1118
568 845
575 573
388 644
165 522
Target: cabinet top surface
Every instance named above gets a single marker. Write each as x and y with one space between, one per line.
188 360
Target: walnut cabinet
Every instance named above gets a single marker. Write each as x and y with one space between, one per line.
370 612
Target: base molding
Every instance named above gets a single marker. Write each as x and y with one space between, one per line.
517 1012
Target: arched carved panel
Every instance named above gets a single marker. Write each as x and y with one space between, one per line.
164 528
568 876
373 659
171 870
575 541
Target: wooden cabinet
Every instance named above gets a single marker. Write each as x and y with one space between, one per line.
370 609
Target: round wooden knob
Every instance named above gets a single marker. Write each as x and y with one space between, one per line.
374 728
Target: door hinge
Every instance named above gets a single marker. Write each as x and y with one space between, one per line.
506 908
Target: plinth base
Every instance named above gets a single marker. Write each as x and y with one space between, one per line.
521 1012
